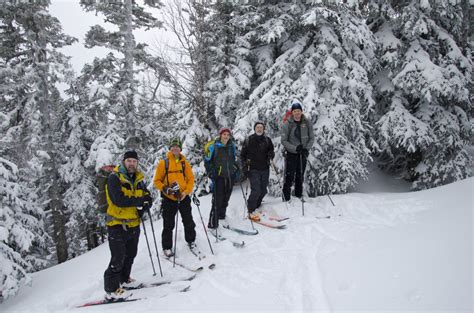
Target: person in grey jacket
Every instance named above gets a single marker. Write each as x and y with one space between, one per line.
297 137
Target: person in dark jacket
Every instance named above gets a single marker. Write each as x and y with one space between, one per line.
222 168
297 137
256 155
127 199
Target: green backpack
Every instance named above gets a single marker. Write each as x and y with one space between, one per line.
102 176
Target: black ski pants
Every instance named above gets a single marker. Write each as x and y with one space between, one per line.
169 210
294 173
222 189
123 244
258 187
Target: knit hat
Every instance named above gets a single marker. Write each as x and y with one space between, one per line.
258 123
296 105
176 142
131 154
225 129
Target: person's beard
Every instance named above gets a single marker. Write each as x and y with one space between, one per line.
131 169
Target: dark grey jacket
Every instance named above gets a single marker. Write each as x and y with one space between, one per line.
289 139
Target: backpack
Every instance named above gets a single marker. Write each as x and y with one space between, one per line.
102 176
287 116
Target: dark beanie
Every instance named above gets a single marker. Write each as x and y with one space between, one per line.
176 142
258 123
132 154
295 106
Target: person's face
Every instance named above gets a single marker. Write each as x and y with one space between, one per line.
225 137
297 114
131 165
176 150
259 129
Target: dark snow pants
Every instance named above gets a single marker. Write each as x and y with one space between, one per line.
123 244
258 188
169 210
222 189
294 172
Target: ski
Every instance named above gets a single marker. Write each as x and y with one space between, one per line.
105 301
327 216
201 257
159 283
241 231
277 218
270 225
236 244
186 267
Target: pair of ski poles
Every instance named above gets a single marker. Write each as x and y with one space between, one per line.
301 173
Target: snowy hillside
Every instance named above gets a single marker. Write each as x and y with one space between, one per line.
378 252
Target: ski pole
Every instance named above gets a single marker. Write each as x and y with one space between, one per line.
302 182
154 239
197 203
213 206
176 230
330 199
148 245
246 205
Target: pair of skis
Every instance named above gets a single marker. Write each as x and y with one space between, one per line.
271 221
193 268
174 288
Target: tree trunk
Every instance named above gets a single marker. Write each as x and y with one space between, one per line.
129 46
51 171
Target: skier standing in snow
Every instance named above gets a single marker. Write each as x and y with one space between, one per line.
297 137
175 179
222 168
127 199
256 155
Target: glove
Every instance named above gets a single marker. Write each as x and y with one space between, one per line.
299 148
305 152
146 205
142 210
145 199
175 188
236 172
168 190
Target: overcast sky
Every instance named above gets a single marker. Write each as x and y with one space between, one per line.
76 22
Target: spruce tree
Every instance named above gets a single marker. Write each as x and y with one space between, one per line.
31 38
422 90
317 54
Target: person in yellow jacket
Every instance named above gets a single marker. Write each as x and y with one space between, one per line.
175 179
127 199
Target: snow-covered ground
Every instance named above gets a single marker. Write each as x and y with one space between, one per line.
378 252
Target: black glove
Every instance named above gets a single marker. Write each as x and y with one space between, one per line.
299 148
147 199
305 152
146 205
142 210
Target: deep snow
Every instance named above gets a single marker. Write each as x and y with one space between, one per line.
392 252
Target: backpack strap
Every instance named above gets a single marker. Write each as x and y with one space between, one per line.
167 164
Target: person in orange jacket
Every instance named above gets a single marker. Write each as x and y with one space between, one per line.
175 179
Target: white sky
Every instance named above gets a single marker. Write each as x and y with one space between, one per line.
76 22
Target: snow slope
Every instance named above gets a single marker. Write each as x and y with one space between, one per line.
383 252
